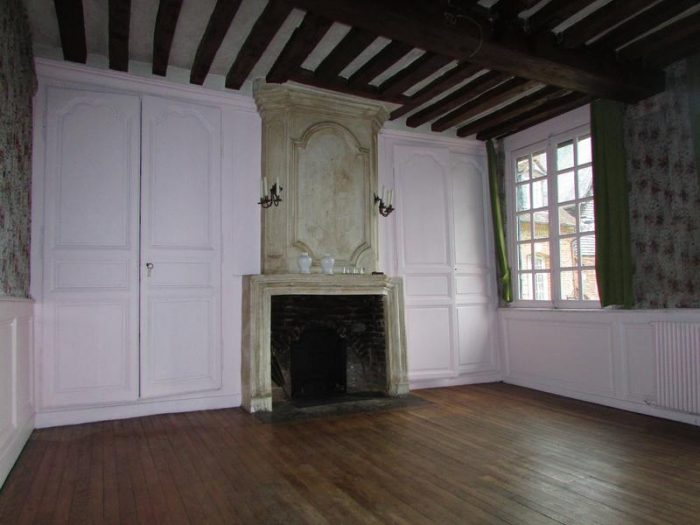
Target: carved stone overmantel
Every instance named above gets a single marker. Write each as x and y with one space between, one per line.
323 150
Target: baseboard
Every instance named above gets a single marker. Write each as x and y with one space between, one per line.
623 404
14 447
74 416
469 378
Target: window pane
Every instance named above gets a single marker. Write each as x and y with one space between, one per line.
525 291
525 256
566 188
522 169
565 155
585 182
524 227
542 287
541 224
589 285
586 217
567 219
539 165
584 150
569 286
541 256
587 250
522 197
568 252
539 194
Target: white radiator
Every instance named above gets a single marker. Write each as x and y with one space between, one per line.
678 366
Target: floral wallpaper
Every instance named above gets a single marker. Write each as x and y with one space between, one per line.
664 197
17 85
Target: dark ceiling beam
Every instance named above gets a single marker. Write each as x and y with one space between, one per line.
600 20
438 86
387 57
352 44
71 26
456 98
642 23
681 48
491 98
424 66
422 24
303 40
166 20
526 120
554 13
262 33
665 38
339 84
119 19
219 23
511 110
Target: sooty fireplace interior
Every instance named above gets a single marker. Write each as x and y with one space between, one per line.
324 346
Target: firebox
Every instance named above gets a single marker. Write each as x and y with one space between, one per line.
318 364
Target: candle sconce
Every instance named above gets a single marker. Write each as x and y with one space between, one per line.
271 196
385 202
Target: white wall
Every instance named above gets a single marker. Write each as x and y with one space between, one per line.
16 394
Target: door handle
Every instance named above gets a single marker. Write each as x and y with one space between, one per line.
149 269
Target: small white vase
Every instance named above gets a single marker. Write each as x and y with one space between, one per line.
304 262
327 264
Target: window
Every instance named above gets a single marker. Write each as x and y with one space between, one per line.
552 226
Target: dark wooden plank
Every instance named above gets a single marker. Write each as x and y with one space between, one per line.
383 60
166 21
545 112
651 45
441 84
511 110
303 40
219 23
483 102
644 21
352 44
119 20
262 33
456 98
554 13
599 20
677 50
424 66
71 27
339 84
422 25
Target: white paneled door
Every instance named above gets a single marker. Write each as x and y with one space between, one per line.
180 248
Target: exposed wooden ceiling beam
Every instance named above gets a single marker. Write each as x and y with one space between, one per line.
422 24
219 23
441 84
387 57
554 13
658 41
600 20
71 26
484 102
418 70
681 48
166 20
262 33
456 98
339 84
643 22
119 19
303 40
352 44
511 110
526 120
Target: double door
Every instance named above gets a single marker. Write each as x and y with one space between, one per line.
131 295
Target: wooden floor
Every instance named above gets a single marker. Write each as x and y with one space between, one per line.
477 454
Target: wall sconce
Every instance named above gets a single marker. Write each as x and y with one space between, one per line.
271 196
385 202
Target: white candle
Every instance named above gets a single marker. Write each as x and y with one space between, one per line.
384 194
262 188
265 188
277 183
390 197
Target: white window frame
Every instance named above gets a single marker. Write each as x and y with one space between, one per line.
549 138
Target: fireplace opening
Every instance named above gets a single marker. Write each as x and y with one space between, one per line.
327 348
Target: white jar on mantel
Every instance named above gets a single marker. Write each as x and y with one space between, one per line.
327 263
304 261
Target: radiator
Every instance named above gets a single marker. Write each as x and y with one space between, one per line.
678 366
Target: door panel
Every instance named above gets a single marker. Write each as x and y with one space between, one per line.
181 239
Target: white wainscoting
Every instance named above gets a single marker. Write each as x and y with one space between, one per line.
606 357
16 388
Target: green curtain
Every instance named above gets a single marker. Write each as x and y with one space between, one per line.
694 103
614 266
504 277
